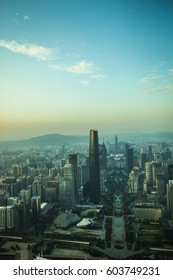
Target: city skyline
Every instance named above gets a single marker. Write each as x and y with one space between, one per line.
68 66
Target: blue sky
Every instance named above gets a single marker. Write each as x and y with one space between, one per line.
69 66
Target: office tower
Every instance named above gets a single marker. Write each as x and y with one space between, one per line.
35 207
169 194
143 160
2 218
22 217
170 171
160 185
66 188
66 193
116 144
150 153
50 194
68 171
94 168
103 157
73 161
156 171
83 174
167 154
129 158
148 173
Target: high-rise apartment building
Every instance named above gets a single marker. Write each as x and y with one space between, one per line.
10 216
94 168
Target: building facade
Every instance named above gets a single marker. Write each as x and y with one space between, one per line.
94 168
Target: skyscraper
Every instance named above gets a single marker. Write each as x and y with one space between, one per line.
35 207
103 157
169 193
73 161
116 144
66 188
94 167
129 158
2 218
156 166
148 173
150 153
170 171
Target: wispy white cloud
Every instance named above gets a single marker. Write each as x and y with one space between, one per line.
25 18
57 67
159 81
17 21
98 76
31 50
152 76
170 71
85 83
168 89
83 67
149 78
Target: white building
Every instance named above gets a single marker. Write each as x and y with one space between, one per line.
10 216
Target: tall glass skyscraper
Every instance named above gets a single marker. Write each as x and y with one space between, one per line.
94 168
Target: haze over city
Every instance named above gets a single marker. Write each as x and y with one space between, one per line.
67 66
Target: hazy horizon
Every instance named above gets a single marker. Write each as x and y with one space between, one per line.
70 66
86 134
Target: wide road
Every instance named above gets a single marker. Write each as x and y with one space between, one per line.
118 224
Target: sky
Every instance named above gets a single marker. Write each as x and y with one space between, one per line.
68 66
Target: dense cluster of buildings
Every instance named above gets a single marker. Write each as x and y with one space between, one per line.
34 178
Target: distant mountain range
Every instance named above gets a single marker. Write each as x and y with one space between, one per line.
59 139
49 140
